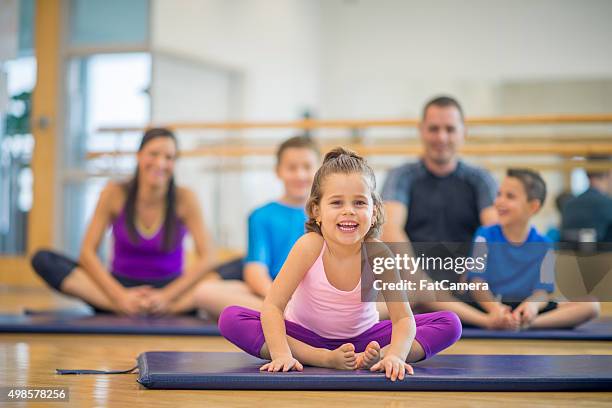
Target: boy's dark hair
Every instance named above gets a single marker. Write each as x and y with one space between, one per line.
298 142
598 158
443 101
532 182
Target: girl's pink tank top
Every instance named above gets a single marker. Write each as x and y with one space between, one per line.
330 312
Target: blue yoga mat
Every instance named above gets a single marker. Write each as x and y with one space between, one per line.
598 329
106 324
239 371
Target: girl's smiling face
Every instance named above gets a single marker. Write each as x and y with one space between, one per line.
346 209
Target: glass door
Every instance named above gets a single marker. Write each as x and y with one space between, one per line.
20 80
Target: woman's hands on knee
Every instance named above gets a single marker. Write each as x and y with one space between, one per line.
130 302
156 302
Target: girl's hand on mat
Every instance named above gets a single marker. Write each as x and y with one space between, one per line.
284 363
394 367
526 313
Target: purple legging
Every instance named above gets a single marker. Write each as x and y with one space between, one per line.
435 332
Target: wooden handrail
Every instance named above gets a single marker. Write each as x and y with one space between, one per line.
471 138
511 120
567 165
412 149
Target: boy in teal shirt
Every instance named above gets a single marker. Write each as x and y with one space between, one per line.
272 231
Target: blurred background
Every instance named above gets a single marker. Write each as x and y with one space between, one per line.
79 79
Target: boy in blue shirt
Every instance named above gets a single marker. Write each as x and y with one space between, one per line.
520 263
272 231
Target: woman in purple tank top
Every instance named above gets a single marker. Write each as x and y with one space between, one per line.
149 217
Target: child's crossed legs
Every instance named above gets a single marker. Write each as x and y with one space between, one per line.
435 332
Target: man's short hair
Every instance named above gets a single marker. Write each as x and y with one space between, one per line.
598 158
532 182
443 102
298 142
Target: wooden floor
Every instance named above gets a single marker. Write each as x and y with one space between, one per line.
31 359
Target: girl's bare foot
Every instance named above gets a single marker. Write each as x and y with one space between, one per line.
342 358
369 357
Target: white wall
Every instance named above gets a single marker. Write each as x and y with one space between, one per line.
274 44
364 58
386 57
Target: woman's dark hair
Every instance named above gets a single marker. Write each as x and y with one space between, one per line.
131 188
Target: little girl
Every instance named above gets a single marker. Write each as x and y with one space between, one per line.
318 290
